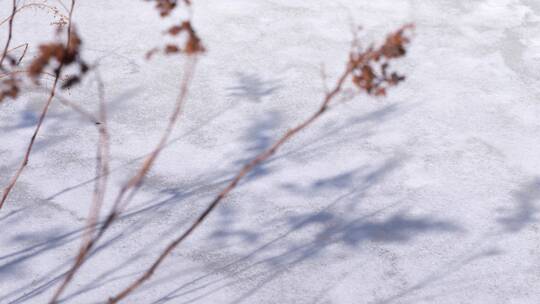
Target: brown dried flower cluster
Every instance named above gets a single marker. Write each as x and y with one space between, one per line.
192 44
10 84
367 68
9 88
370 67
165 7
64 55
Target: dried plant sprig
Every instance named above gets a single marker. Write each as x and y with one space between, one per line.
184 29
60 18
7 83
100 186
128 191
66 54
394 47
192 44
370 67
165 7
10 19
25 49
102 164
53 53
10 83
9 87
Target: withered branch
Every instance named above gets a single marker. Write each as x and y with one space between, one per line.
10 34
368 70
192 48
65 55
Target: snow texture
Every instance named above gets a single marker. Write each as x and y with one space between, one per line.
431 195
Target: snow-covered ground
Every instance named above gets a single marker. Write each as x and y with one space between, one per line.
431 195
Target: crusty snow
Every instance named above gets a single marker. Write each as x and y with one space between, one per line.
431 195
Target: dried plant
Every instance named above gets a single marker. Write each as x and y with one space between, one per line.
370 67
128 191
366 69
10 87
10 82
361 67
64 54
59 55
100 188
10 19
165 7
192 44
192 48
59 18
184 30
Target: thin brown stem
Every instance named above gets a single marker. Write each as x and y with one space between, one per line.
42 5
102 164
135 182
25 46
44 112
25 49
102 170
10 34
15 72
26 157
329 97
131 187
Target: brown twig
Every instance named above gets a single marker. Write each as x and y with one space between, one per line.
232 184
102 171
18 62
359 62
131 187
10 34
192 47
102 163
44 111
15 72
44 6
25 46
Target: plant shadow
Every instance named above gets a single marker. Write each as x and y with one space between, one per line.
315 234
334 226
252 87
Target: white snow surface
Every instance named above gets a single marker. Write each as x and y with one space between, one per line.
431 195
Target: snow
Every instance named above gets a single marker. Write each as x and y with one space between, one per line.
431 195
